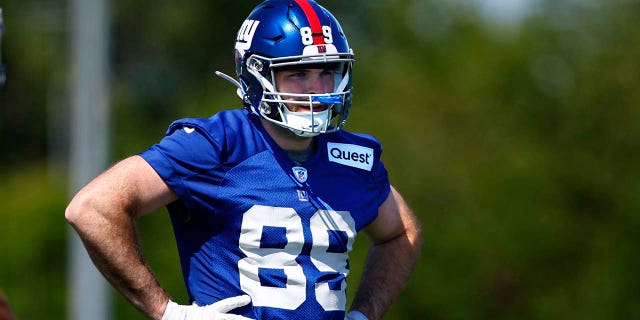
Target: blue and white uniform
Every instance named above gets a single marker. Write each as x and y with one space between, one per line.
251 221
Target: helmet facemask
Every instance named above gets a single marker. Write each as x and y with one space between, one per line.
328 112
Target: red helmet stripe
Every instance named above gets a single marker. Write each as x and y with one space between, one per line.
314 22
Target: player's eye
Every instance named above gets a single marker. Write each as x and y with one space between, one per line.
297 74
328 72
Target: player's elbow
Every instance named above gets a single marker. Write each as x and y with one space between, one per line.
415 238
73 212
412 233
414 230
78 211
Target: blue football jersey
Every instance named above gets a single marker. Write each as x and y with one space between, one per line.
251 221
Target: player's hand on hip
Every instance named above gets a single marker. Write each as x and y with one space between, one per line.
216 311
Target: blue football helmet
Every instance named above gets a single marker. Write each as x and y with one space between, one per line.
289 34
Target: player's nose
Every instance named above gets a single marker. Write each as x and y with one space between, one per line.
318 84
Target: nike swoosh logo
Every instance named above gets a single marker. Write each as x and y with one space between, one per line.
189 130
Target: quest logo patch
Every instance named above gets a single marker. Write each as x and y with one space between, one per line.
351 155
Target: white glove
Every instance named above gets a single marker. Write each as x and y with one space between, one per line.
216 311
355 315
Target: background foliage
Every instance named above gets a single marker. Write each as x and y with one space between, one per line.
517 145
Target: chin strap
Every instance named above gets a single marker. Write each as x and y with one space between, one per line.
240 92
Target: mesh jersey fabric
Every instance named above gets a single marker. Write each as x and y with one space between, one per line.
250 220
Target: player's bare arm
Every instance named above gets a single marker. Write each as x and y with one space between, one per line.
103 214
396 247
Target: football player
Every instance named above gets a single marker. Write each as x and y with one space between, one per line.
266 200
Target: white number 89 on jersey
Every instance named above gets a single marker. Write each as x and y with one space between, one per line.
332 233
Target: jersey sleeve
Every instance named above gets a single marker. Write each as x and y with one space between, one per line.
377 186
380 185
381 179
186 151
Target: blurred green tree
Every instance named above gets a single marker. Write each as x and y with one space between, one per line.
517 145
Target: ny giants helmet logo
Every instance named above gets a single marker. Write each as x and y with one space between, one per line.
245 35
